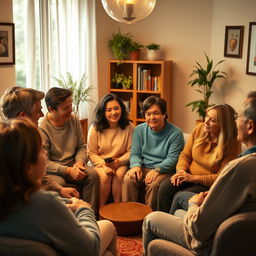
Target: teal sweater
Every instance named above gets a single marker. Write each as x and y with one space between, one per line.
152 149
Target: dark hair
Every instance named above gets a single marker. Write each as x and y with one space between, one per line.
20 144
251 94
154 100
101 122
249 110
55 96
17 99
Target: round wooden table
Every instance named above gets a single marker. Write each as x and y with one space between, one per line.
127 217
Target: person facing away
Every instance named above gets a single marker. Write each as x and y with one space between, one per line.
109 146
211 145
26 102
234 191
28 212
156 145
63 140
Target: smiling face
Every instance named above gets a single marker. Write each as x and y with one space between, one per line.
64 110
155 119
113 113
211 123
36 112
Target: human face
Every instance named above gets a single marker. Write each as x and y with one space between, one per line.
37 171
154 118
241 127
64 110
36 112
211 123
113 112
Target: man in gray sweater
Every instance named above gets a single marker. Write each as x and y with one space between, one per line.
234 191
63 140
26 102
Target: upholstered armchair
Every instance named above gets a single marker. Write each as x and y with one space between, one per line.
235 236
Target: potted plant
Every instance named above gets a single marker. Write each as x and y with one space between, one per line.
135 49
80 90
120 45
120 81
153 51
204 79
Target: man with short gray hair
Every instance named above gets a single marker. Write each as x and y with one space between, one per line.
26 102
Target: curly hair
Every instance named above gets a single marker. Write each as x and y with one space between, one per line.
20 144
100 122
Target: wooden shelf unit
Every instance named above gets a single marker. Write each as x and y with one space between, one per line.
158 76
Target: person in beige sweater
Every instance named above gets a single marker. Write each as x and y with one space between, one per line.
109 146
211 145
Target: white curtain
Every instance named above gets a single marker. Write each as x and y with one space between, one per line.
67 43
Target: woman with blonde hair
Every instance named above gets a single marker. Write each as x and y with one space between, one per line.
211 145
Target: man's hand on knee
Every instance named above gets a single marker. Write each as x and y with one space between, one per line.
69 192
135 173
151 176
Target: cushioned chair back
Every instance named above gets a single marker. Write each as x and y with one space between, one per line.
21 247
236 236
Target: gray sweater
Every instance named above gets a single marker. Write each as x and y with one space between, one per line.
64 145
234 191
46 219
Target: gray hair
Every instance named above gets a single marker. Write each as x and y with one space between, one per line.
17 99
249 110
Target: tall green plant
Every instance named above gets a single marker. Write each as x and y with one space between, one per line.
80 90
204 80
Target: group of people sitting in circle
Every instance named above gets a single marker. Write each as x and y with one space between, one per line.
191 189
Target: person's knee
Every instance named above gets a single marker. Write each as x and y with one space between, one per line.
150 219
127 181
92 176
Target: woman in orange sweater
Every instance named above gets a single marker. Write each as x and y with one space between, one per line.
211 145
109 146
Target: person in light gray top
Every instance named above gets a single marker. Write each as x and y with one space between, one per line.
26 102
63 141
28 212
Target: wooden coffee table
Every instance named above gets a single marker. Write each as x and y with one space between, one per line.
127 217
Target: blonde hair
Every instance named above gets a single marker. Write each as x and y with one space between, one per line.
227 134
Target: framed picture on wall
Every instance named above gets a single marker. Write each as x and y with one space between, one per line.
7 50
233 41
251 55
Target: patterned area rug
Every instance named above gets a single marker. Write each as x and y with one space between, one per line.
129 246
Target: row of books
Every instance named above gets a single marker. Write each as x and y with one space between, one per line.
147 82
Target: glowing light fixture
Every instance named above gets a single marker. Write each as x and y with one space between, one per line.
128 11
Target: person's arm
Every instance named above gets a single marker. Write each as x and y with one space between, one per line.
81 153
136 149
92 148
124 159
51 166
176 145
71 235
227 195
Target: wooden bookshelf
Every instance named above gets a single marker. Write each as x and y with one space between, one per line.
148 78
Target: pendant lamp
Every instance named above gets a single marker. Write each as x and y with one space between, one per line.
128 11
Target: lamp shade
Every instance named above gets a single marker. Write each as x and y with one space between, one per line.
128 11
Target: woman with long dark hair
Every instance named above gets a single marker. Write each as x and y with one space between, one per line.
109 145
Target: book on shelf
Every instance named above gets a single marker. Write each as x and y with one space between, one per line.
155 83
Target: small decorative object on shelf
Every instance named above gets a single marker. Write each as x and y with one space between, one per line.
148 78
153 51
120 81
204 79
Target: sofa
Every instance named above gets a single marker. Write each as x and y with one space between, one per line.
235 236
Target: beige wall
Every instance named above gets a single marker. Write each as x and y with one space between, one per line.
185 29
7 72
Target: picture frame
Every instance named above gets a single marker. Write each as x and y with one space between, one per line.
251 54
7 44
233 46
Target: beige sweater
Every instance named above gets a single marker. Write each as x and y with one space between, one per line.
109 143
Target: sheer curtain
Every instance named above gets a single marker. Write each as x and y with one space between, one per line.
67 32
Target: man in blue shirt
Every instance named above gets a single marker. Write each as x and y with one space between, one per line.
156 146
